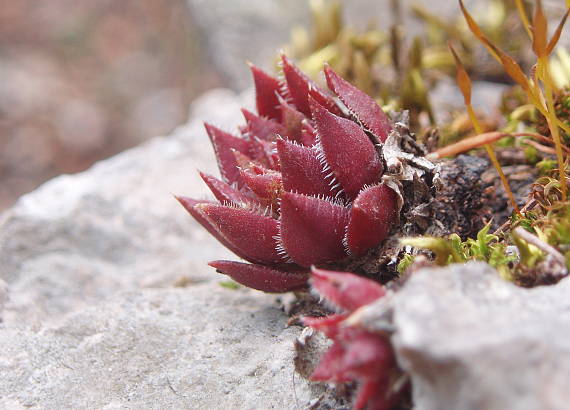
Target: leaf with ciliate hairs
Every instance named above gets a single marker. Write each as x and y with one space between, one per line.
297 85
309 134
301 171
260 127
267 89
360 104
224 143
190 205
301 88
299 183
292 121
311 229
262 277
345 290
259 151
347 151
266 185
249 233
371 217
225 192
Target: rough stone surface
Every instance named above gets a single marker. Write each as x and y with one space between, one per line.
473 341
80 238
91 269
201 347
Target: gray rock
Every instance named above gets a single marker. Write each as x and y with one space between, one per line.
204 347
3 296
81 238
473 341
94 315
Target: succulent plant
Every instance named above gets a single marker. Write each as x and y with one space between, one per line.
302 184
357 353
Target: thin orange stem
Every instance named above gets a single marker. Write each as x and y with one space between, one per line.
540 147
479 140
551 119
493 157
539 137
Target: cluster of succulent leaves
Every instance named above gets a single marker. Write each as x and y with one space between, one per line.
276 210
357 56
356 353
267 196
302 183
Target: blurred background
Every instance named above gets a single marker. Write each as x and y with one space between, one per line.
80 81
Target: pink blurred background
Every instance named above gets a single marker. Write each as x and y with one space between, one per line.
80 81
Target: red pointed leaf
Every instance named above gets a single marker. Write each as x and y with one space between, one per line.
360 104
330 367
261 277
301 170
368 355
225 192
266 185
329 325
248 232
259 152
297 85
345 290
311 229
292 120
309 134
262 128
324 99
373 394
223 144
267 88
373 213
300 87
189 204
347 150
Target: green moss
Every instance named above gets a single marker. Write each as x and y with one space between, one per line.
451 249
229 284
405 263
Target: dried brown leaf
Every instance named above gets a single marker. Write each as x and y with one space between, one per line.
556 36
540 31
463 80
512 68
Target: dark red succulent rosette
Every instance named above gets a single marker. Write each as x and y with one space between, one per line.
301 184
357 353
